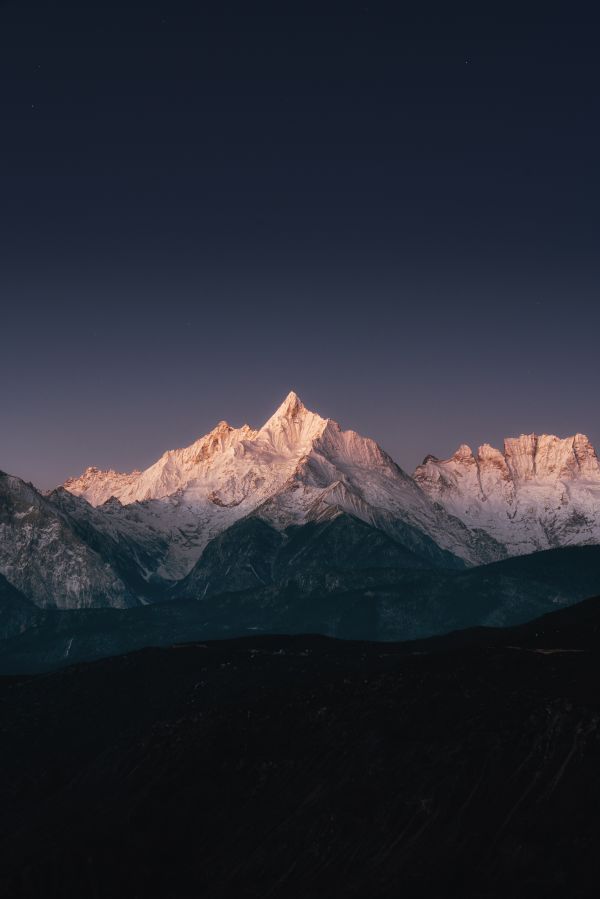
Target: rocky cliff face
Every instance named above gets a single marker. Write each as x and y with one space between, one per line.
43 555
540 492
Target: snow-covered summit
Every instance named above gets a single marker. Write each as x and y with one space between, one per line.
295 468
539 491
214 461
292 429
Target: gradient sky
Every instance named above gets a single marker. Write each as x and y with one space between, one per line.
393 211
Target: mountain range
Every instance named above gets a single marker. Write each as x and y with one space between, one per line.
297 506
384 604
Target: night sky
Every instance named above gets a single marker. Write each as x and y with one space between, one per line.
392 209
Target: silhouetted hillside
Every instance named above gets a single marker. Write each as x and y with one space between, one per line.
307 767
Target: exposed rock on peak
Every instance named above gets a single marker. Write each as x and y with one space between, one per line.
547 456
464 453
291 406
487 453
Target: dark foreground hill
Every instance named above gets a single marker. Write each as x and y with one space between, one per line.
376 604
309 768
16 612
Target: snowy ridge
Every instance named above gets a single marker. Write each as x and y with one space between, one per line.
224 466
297 467
539 492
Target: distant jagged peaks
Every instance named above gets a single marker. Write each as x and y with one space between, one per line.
98 486
540 491
527 457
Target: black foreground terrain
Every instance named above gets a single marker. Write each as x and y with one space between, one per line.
304 767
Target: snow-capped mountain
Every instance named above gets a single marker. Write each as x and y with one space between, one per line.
540 492
43 554
297 500
293 470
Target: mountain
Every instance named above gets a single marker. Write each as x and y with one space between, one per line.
296 767
540 492
297 501
132 554
294 500
296 469
385 604
252 553
44 556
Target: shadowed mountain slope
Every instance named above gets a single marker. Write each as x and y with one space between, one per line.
17 613
44 554
378 604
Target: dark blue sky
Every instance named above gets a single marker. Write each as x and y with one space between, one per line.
393 211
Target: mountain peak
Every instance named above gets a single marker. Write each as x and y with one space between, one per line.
290 407
464 453
292 410
222 428
292 428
